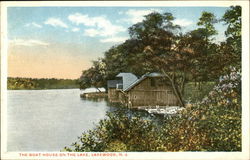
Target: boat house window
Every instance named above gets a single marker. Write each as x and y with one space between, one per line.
153 82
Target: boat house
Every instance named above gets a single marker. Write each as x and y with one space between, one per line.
117 86
150 90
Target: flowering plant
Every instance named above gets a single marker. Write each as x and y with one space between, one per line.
227 92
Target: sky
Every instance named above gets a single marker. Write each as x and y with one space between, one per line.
60 42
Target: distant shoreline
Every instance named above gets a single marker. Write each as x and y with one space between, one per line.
41 84
40 89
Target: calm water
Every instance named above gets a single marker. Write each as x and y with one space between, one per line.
48 120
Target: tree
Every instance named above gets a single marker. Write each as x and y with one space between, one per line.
206 49
207 20
156 45
203 59
94 76
124 58
159 47
232 18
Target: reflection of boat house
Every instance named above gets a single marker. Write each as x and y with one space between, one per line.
150 90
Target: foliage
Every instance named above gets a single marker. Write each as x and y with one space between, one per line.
203 64
207 20
120 131
93 77
226 92
35 83
124 58
194 92
232 18
223 107
214 124
157 45
157 36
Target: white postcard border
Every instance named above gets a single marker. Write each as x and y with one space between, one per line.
134 155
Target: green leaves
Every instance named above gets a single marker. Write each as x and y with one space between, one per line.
94 76
207 20
232 18
211 125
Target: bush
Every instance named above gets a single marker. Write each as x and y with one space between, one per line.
120 131
214 124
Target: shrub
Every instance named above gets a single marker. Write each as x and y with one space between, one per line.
120 131
214 124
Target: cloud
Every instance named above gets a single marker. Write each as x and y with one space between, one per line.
135 16
114 39
33 24
75 29
99 26
56 22
78 18
92 32
183 22
29 42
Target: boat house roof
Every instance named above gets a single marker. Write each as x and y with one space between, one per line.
127 79
154 74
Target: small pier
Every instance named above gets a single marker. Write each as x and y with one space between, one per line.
94 93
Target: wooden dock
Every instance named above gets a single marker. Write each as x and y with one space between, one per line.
94 95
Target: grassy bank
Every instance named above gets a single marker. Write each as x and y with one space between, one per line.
194 92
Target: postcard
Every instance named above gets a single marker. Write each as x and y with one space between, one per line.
125 80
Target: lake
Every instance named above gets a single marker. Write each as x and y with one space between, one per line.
48 120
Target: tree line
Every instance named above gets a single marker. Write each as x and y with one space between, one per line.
41 83
158 45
